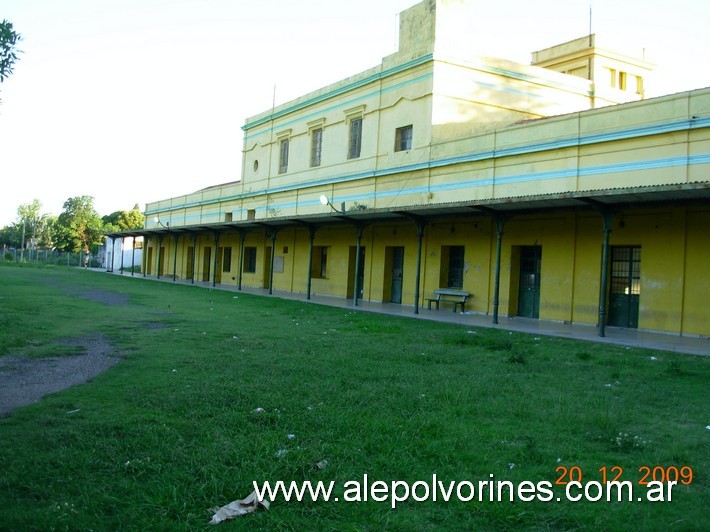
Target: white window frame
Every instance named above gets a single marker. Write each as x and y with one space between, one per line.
403 138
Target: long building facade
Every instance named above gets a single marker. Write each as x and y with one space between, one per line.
552 190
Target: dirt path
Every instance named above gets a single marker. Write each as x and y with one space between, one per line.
27 380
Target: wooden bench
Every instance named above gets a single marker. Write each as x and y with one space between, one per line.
448 295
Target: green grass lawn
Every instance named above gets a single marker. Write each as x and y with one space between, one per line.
173 430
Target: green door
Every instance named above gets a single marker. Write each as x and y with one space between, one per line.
161 261
529 287
625 287
206 262
149 262
397 269
190 263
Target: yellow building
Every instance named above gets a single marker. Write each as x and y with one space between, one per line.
551 190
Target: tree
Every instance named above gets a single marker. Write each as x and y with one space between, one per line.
79 226
29 212
123 220
45 231
11 236
28 219
37 228
8 51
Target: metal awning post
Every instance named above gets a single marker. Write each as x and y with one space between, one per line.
122 242
214 262
176 237
194 256
144 256
311 237
242 239
417 280
271 266
133 255
356 287
160 255
607 218
500 222
113 245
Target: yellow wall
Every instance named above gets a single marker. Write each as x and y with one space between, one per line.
696 289
675 253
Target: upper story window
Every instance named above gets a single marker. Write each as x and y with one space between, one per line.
355 140
283 155
612 77
639 85
316 146
403 138
622 81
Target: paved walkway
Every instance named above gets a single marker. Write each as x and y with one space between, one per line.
614 335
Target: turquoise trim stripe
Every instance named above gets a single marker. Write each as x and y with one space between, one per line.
621 134
411 64
349 103
669 162
508 180
540 176
342 90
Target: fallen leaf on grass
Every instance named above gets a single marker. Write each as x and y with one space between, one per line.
240 507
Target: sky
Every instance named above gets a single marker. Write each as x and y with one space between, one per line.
133 101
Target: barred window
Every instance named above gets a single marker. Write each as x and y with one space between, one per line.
249 260
355 143
283 156
403 138
316 146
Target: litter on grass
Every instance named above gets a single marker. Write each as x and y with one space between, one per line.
239 507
